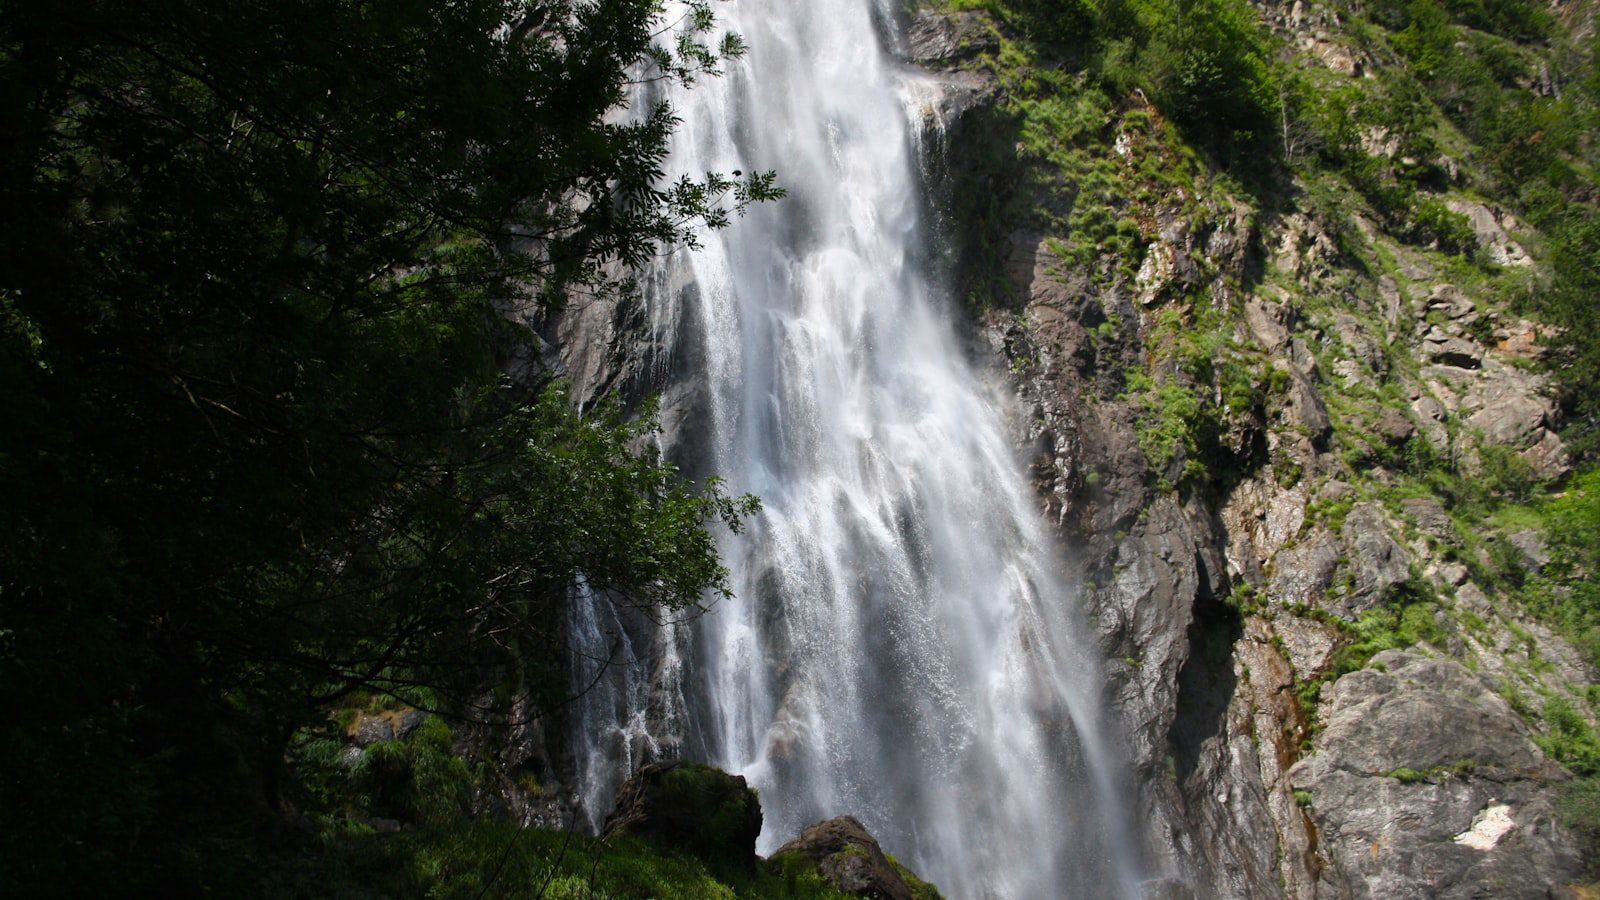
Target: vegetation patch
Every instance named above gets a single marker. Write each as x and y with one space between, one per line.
1432 774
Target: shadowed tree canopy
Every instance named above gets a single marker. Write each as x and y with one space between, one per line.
259 449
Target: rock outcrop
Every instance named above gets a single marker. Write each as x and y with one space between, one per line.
685 806
1426 776
849 859
716 817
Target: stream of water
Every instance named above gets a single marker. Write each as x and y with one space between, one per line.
902 647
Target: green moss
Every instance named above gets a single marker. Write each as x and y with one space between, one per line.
1432 773
704 794
920 890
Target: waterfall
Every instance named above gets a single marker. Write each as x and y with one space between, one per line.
901 647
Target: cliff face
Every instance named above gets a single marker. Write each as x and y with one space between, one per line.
1238 397
1279 430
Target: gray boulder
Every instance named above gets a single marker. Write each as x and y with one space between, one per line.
1452 351
1430 516
1511 419
1426 784
1305 411
1394 427
367 729
1302 573
1489 226
1431 415
1531 546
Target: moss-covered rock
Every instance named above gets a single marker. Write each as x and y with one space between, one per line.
695 808
849 859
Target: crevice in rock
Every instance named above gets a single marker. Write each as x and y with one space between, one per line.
1206 682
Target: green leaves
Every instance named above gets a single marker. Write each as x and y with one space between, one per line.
1208 64
1212 65
1567 590
260 450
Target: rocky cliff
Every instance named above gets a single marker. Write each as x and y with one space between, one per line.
1286 434
1259 411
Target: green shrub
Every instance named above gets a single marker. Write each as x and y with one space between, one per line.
1432 773
1570 739
1207 64
1170 428
417 780
1406 617
1566 592
1435 224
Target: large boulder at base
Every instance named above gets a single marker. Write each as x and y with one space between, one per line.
685 806
849 859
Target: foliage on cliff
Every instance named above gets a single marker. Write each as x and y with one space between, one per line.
1206 63
1507 80
259 447
1458 101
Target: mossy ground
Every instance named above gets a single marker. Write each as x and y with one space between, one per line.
480 859
443 850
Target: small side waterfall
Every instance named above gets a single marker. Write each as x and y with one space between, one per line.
610 722
902 647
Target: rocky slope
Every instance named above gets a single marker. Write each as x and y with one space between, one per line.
1235 403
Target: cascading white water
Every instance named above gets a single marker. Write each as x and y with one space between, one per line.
610 723
901 647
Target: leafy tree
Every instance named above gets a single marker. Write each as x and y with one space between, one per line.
1572 301
260 450
1209 61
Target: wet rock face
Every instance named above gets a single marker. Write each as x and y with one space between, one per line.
849 859
1424 776
698 809
1220 611
939 41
